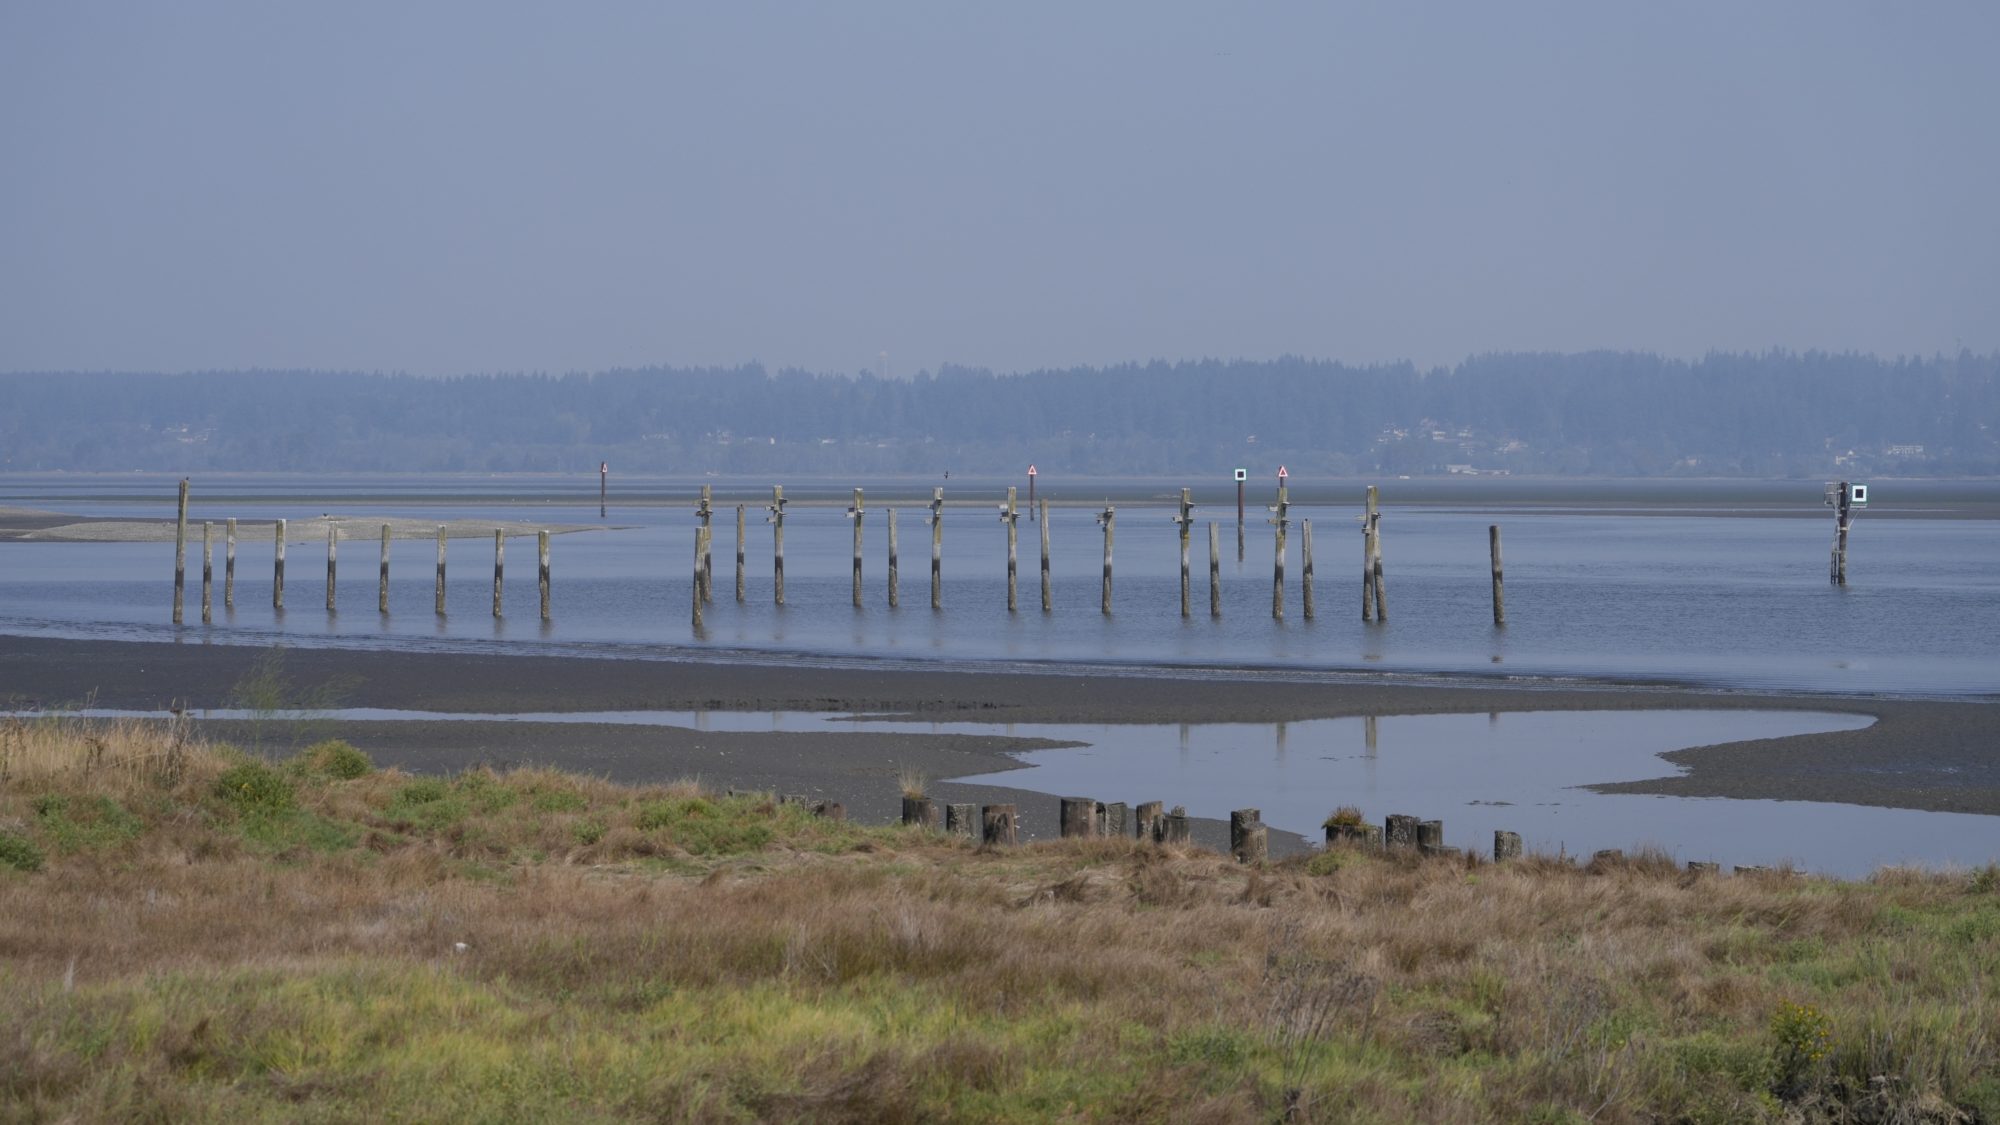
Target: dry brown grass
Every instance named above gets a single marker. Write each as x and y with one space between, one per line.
651 953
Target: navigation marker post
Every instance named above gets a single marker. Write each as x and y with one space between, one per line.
278 568
603 478
332 553
499 566
1242 475
382 586
440 574
1843 498
1031 493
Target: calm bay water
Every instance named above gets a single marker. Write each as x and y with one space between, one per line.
1715 583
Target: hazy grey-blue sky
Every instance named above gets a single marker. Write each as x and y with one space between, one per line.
443 188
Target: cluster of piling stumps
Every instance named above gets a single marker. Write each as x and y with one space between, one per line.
1249 837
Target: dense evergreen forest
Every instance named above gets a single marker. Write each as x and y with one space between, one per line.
1602 413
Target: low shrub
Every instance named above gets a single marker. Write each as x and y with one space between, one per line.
336 759
19 853
254 789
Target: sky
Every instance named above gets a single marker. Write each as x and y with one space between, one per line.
445 188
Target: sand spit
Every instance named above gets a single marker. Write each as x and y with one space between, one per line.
298 531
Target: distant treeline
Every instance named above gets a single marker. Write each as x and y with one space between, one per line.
1606 413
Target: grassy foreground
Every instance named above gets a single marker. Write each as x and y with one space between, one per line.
189 933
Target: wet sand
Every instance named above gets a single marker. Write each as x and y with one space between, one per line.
59 527
1938 756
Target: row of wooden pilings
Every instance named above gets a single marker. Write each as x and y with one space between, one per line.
1249 837
1374 596
1374 601
332 566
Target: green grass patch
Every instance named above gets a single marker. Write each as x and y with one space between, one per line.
703 827
253 788
18 853
74 823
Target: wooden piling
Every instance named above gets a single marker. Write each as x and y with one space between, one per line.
1399 832
1108 519
1177 830
699 546
1281 519
740 541
937 548
1112 819
542 569
1375 558
1079 817
382 580
997 825
207 574
229 563
1837 570
1368 557
332 555
1499 596
1011 517
1214 571
962 820
1506 846
180 551
921 812
1149 821
855 513
1248 839
1306 568
1364 835
1048 593
278 568
1184 522
500 566
1703 867
1430 836
440 571
777 518
893 599
706 511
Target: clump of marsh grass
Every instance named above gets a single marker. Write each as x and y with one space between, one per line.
914 782
1346 816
